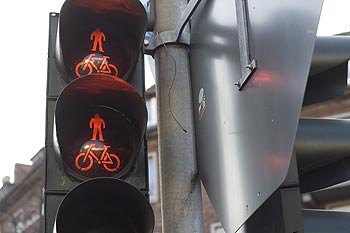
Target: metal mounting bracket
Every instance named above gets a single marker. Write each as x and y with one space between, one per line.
185 17
164 38
176 36
248 65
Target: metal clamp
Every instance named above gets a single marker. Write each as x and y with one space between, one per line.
173 37
163 38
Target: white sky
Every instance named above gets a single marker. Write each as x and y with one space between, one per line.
24 40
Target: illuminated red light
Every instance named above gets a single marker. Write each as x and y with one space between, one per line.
97 37
96 62
85 160
94 37
98 131
95 152
97 123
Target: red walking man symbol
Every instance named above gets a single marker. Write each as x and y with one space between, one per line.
97 123
97 36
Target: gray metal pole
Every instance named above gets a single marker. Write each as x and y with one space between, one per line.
180 187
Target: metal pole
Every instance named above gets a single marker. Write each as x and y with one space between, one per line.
180 187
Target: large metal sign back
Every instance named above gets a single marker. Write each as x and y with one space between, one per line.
245 138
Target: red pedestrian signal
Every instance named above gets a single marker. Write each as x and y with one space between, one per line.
99 121
97 37
100 124
100 37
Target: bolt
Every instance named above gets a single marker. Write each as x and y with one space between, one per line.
249 66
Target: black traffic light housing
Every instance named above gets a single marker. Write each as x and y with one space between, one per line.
110 83
329 69
322 144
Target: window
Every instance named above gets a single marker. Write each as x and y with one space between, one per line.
216 228
152 111
339 206
153 177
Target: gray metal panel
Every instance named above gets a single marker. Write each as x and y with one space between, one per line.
245 138
281 212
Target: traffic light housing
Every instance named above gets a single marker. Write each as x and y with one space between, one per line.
107 32
96 163
321 144
329 69
90 207
100 123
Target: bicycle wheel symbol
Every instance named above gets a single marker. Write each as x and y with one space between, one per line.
95 63
83 163
113 165
109 69
110 162
83 69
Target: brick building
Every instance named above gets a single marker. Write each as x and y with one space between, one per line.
21 202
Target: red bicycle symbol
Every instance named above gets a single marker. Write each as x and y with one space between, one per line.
98 64
85 160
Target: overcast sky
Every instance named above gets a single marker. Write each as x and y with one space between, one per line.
24 41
